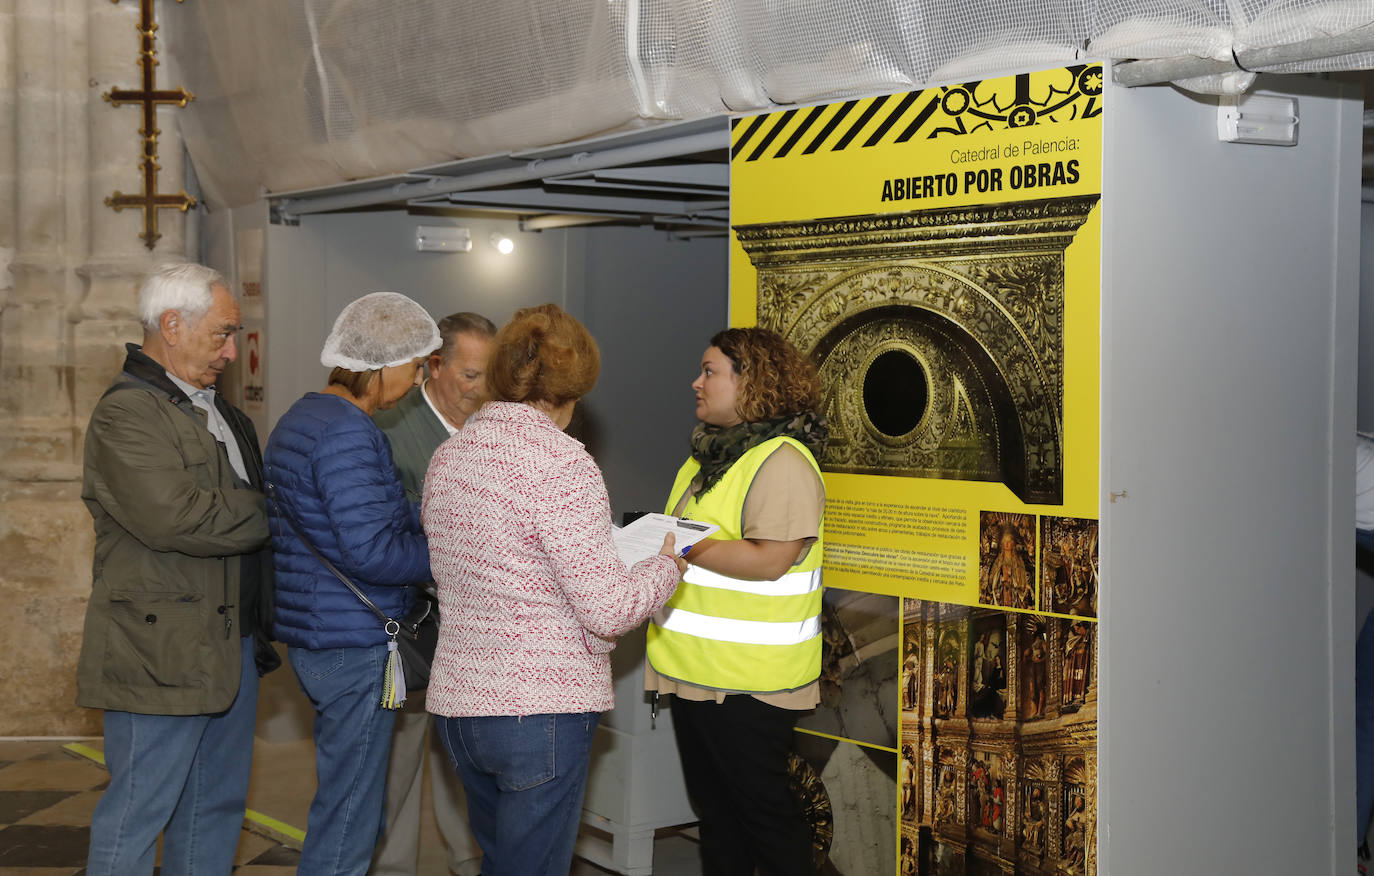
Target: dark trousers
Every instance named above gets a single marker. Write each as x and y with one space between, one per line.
734 759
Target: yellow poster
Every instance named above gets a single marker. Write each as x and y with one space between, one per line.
936 253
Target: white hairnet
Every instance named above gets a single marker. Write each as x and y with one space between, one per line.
380 330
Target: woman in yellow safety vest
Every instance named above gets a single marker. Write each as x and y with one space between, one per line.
739 643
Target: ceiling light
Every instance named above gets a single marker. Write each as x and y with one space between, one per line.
442 238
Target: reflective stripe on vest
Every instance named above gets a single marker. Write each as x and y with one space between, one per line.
732 633
743 632
790 584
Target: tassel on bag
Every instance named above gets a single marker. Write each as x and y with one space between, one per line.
394 679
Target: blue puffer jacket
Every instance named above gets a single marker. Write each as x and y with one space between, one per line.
330 468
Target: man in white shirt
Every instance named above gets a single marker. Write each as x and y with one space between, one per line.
416 426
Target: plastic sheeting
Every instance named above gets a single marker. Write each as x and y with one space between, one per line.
295 94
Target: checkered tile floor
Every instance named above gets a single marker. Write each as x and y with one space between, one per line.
47 795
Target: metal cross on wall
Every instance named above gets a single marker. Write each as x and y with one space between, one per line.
148 97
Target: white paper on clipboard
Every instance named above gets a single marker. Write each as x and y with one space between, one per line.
644 537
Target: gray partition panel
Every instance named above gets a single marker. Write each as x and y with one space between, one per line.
1228 399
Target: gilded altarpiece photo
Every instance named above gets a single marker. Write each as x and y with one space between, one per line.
1069 566
939 336
1006 564
1010 792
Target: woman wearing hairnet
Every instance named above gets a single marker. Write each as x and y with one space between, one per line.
334 492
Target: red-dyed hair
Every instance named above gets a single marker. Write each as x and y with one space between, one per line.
542 355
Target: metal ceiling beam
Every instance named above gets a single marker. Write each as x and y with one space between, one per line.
528 209
693 219
544 223
587 215
706 174
540 201
656 149
680 234
603 184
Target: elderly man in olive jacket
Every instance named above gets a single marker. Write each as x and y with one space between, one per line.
181 601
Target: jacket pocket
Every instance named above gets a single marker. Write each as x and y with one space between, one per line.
154 639
192 451
595 644
196 457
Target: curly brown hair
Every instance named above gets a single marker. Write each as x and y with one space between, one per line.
776 380
542 355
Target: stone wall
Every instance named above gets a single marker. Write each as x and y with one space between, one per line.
69 271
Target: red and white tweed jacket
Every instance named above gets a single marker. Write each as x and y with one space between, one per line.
531 591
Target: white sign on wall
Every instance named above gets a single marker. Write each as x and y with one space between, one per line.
254 384
248 246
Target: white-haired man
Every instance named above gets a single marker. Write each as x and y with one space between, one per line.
177 626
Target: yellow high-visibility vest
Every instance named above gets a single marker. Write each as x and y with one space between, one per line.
738 634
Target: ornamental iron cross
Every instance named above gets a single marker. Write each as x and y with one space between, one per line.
148 97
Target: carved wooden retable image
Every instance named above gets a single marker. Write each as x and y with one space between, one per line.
939 335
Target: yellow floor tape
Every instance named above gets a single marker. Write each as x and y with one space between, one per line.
279 830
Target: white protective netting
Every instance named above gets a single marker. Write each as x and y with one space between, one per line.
304 93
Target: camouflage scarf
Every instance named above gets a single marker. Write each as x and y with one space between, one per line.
716 448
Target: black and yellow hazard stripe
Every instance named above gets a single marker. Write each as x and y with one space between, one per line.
1073 92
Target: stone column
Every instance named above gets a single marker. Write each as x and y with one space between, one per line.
106 315
66 307
8 85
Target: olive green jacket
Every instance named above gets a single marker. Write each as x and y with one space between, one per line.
174 528
415 433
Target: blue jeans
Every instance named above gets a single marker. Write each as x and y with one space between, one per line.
525 778
186 775
352 744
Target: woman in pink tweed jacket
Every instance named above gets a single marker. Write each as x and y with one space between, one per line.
532 596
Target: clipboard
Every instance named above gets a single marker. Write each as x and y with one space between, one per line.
644 537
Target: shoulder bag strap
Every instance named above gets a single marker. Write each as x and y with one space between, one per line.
281 509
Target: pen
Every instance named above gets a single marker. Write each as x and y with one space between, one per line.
687 524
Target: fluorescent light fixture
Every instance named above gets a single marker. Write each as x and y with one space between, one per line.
1263 119
442 238
503 244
